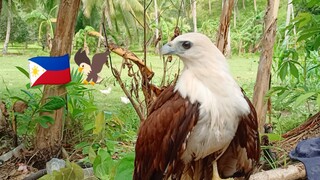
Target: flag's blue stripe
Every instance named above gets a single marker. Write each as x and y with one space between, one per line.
52 63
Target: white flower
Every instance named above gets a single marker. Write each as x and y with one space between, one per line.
106 91
125 100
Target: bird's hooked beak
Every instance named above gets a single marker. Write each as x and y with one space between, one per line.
80 69
167 49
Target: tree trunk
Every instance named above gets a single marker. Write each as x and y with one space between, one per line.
222 34
0 6
49 38
102 20
99 40
255 5
108 14
194 15
291 172
292 17
235 11
157 26
210 9
49 139
6 42
228 52
286 35
263 76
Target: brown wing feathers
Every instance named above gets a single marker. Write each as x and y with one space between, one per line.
244 150
162 136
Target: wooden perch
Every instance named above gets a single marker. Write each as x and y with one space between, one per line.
313 123
308 129
129 55
292 172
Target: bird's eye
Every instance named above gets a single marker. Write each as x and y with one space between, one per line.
186 44
82 65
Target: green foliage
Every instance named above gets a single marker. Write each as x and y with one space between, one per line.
19 29
297 66
107 151
210 27
107 168
79 99
35 107
71 171
43 17
99 123
269 158
287 63
93 20
124 167
272 137
54 103
23 71
82 36
273 163
248 33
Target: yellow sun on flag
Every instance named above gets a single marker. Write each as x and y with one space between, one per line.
35 71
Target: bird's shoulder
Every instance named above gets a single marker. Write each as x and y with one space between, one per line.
162 135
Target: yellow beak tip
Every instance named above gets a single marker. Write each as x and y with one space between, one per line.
80 69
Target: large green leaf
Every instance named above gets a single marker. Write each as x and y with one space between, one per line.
71 171
99 123
283 71
102 168
44 120
272 137
302 19
312 3
308 33
54 103
35 15
28 93
92 155
294 70
303 98
316 43
23 71
19 98
125 167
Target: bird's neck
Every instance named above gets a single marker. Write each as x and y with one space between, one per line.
212 86
214 77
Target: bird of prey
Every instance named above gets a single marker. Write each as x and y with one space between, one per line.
91 70
203 127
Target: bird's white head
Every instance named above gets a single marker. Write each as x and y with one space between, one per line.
194 49
205 68
85 68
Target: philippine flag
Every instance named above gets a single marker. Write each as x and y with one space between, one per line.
49 70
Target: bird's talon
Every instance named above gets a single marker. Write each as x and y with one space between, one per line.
85 82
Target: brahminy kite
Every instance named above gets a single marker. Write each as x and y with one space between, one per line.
203 127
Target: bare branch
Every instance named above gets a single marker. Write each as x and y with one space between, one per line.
296 171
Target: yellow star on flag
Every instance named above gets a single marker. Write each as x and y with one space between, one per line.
35 71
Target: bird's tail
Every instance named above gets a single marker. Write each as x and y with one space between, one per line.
202 169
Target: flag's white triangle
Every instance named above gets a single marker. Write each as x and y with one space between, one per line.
35 71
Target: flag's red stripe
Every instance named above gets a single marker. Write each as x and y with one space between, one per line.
54 77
